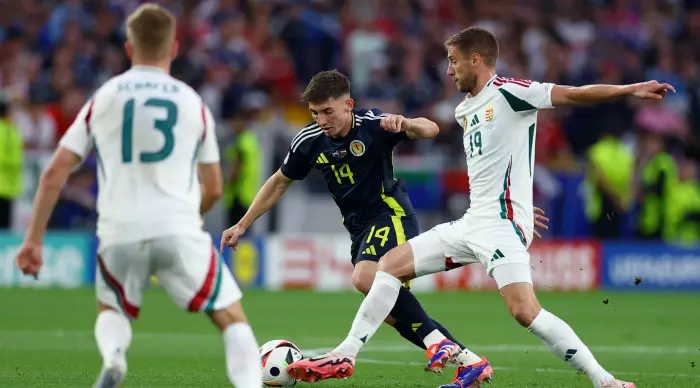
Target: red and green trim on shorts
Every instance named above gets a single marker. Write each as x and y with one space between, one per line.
130 310
507 205
206 297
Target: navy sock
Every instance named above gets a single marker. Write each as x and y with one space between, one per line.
409 315
407 333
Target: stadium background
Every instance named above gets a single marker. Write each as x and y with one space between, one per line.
251 59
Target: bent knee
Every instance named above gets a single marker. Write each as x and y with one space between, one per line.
398 262
362 281
524 313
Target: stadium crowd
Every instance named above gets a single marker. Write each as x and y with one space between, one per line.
251 59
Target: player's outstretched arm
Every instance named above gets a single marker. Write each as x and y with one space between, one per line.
417 128
267 197
50 184
592 94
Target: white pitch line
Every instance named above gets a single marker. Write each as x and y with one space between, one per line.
319 351
387 346
536 348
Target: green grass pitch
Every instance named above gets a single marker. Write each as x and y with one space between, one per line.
46 339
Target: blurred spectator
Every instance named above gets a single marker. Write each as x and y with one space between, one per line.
657 176
243 158
11 159
552 149
609 178
65 111
684 202
37 126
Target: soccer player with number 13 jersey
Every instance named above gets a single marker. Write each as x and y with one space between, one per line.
158 169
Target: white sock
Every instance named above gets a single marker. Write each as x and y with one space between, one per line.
565 344
113 335
242 359
466 357
374 309
435 337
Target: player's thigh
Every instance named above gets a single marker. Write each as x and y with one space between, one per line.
122 275
442 248
194 274
498 244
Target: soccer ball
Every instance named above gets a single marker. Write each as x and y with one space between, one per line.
276 355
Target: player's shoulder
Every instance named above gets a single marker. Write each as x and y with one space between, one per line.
306 138
110 87
184 87
368 118
517 85
369 114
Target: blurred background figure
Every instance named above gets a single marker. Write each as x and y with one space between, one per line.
609 175
657 174
684 201
11 159
243 158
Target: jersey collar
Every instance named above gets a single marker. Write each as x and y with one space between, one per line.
152 69
491 81
468 99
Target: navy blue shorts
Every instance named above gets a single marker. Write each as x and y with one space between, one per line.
383 233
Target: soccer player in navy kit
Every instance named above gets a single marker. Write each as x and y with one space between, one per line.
353 149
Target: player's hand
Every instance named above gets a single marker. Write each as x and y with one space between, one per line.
29 259
651 90
540 222
230 237
395 123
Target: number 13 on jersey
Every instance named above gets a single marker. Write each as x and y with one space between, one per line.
165 126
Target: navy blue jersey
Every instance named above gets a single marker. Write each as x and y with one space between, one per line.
358 168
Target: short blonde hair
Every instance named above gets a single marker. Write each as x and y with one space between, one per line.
151 31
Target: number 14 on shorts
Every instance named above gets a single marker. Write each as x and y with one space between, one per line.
381 233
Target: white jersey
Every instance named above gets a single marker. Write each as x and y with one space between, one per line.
499 136
149 131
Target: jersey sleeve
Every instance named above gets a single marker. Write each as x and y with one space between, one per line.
209 148
523 95
77 137
389 138
299 161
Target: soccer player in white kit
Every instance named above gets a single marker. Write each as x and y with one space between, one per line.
158 171
499 118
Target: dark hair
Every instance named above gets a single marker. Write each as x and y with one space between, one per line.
325 85
476 40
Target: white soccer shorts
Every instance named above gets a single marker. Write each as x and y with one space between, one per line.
188 267
494 243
